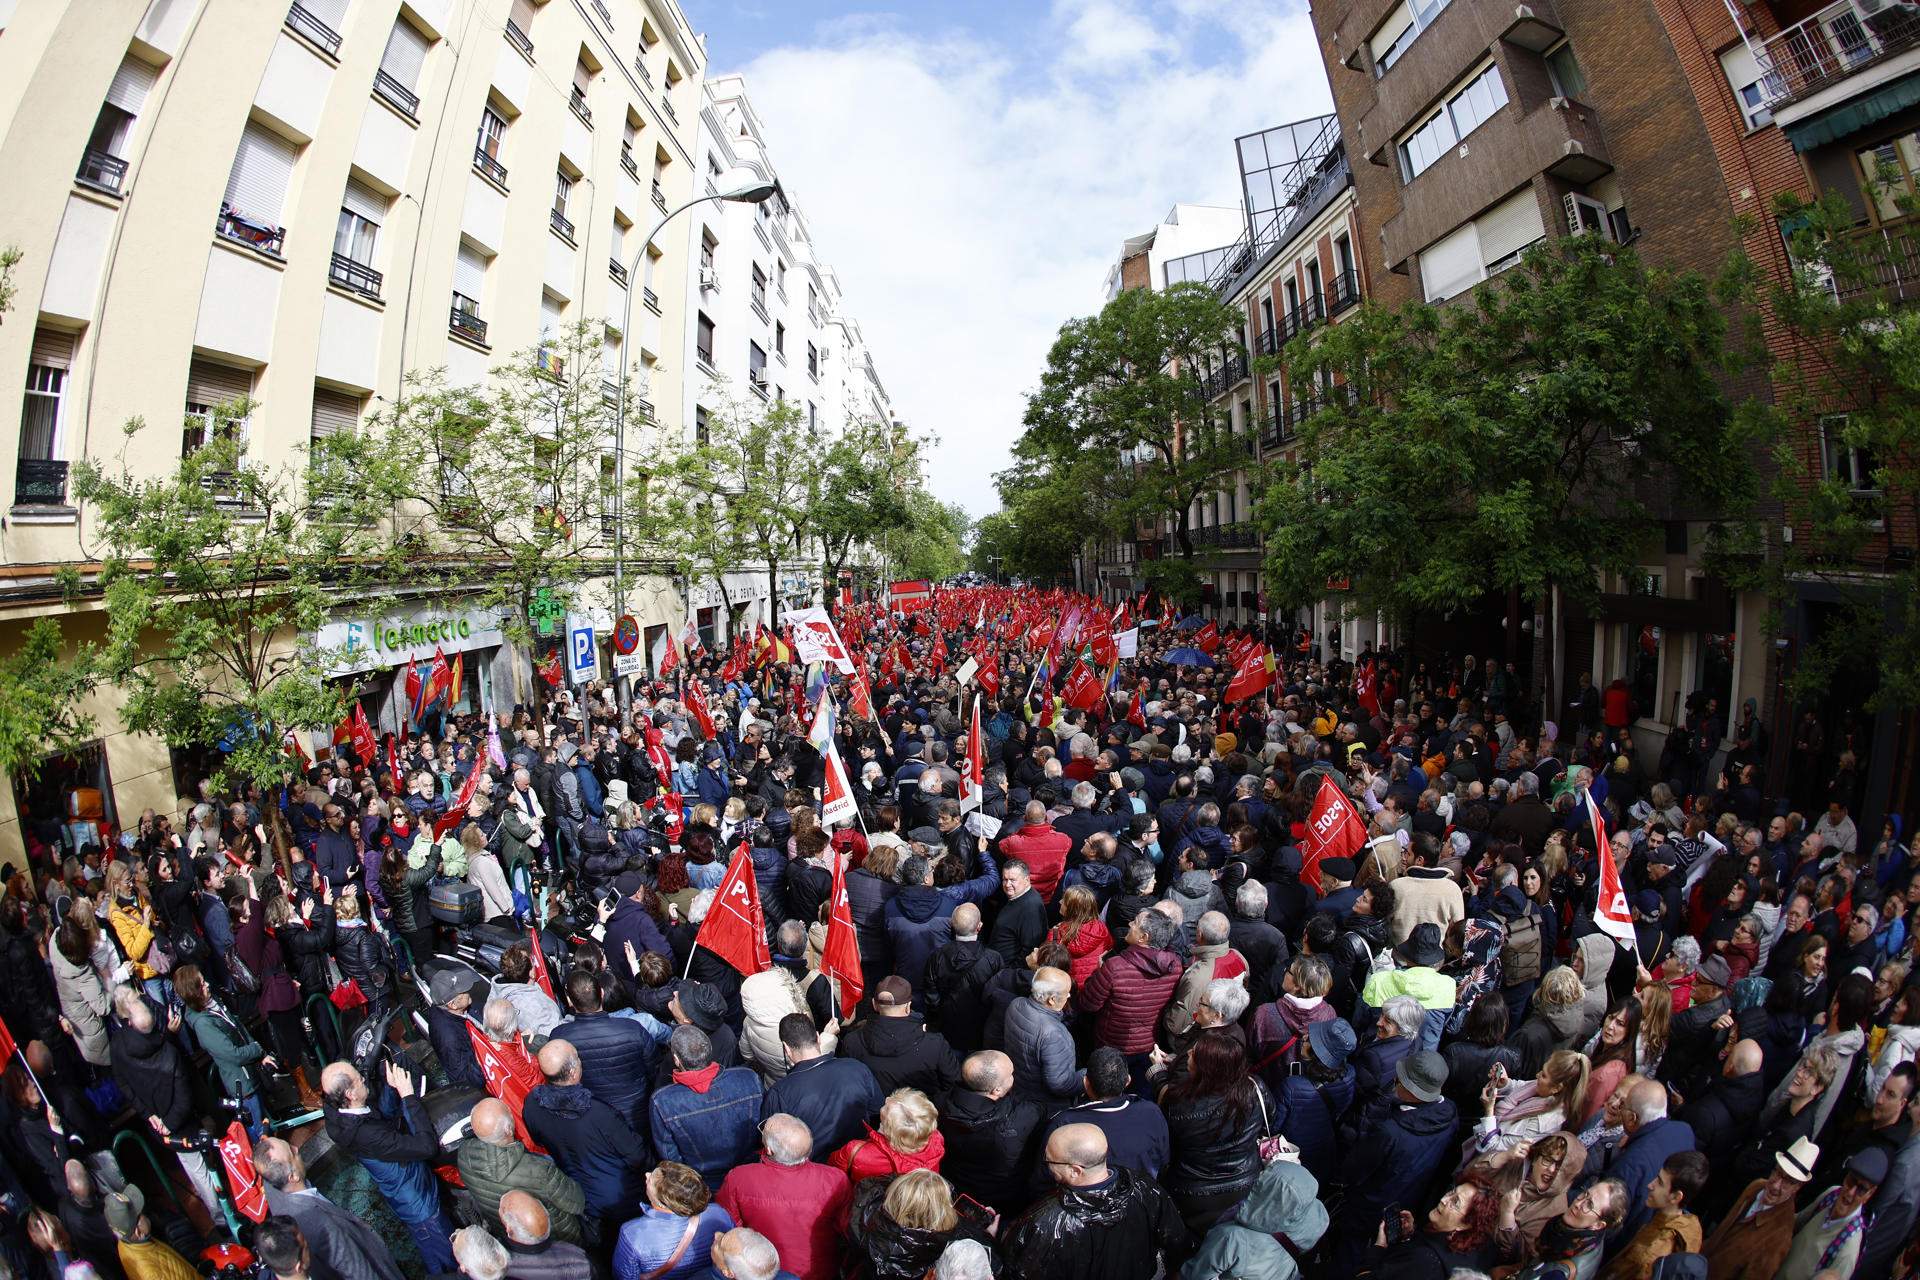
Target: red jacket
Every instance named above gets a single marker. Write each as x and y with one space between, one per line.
1044 850
1088 948
874 1157
1127 994
801 1208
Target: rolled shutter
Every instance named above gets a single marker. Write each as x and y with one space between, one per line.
582 78
52 349
262 168
406 54
363 200
522 16
1451 264
331 12
1396 24
210 384
549 315
469 273
1510 226
334 412
131 84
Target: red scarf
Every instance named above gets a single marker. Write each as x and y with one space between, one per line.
699 1081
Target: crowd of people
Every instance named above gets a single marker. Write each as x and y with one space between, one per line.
1116 1013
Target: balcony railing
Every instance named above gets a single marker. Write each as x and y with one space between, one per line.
1838 41
102 169
610 391
465 319
1275 428
651 298
578 101
1342 292
40 482
659 196
1305 316
640 69
357 276
666 108
518 39
617 271
1269 342
605 17
488 166
644 408
1888 267
559 222
627 162
313 29
234 225
1231 372
397 94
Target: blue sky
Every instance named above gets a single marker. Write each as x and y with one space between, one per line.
970 169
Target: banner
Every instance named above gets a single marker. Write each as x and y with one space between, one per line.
243 1181
457 811
840 954
973 782
1128 642
815 639
511 1074
1334 830
1610 913
735 930
541 978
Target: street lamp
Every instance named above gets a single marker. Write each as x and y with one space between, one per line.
748 188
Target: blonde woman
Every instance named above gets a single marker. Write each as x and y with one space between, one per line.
131 918
909 1138
1529 1111
903 1225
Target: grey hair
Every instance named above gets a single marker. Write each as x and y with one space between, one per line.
480 1256
701 904
1083 795
1405 1013
1227 997
964 1260
1871 912
1250 899
775 1137
1686 949
1140 874
1210 927
1653 1108
690 1046
751 1256
501 1019
1045 988
1159 930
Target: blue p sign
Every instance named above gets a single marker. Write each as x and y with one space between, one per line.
584 658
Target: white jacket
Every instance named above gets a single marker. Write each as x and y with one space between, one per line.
484 874
767 997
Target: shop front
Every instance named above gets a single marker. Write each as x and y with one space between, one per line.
374 650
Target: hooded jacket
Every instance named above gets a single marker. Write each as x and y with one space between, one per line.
765 998
631 922
1307 1111
591 1144
1547 1028
1112 1231
1044 850
1537 1206
903 1054
1596 957
988 1142
873 1156
1845 1045
1245 1245
1396 1148
867 898
152 1073
1127 994
801 1208
1280 1032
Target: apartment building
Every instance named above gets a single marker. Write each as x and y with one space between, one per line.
301 203
767 321
1477 127
1809 99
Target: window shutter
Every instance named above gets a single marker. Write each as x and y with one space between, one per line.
364 201
131 84
469 273
549 315
582 78
52 349
331 12
1396 24
211 384
334 412
406 54
1451 264
261 170
522 16
1510 225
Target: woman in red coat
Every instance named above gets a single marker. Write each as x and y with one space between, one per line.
1081 933
909 1138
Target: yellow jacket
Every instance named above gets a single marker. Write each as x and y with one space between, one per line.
1666 1232
135 936
154 1260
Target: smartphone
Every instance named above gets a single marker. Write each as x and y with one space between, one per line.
1395 1228
1498 1074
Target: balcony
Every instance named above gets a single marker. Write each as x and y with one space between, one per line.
1275 429
518 39
643 409
627 161
357 277
561 226
659 196
651 298
1343 292
618 272
489 167
40 482
640 69
313 29
666 108
578 101
605 17
610 391
1839 41
102 170
258 236
1888 265
1230 373
465 320
397 95
1306 316
1270 342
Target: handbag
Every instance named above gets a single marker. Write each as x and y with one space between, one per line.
1272 1146
240 975
159 955
347 995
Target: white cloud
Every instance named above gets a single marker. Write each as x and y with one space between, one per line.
972 191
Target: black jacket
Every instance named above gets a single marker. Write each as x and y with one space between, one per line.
837 1097
1265 950
1019 927
903 1054
1726 1115
894 1252
307 949
365 958
1215 1150
989 1147
592 1145
454 1047
616 1062
1113 1231
152 1072
955 990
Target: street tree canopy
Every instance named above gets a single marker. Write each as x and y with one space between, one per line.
1514 440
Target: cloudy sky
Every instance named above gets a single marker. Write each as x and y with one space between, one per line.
970 167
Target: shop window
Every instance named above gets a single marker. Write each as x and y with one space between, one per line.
68 803
1886 175
1643 667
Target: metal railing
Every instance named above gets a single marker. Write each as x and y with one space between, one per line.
519 40
357 276
1834 43
651 298
1888 269
313 29
233 225
659 196
640 69
1342 292
605 17
610 391
102 169
40 482
397 94
628 163
465 320
489 167
1269 342
666 108
560 223
617 271
578 101
1230 373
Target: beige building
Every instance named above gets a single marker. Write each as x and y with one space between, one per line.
301 203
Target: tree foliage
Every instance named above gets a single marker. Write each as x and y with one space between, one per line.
866 495
43 688
1511 441
932 538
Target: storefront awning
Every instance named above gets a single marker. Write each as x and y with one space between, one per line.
1851 117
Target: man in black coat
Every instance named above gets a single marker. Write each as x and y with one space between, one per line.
989 1134
454 994
1021 922
1727 1112
1262 946
954 991
1098 1222
616 1054
837 1097
897 1047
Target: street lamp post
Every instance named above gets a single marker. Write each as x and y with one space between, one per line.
753 191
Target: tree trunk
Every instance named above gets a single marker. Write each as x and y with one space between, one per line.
726 607
773 593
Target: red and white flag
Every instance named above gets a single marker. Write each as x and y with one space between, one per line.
735 929
665 655
1253 674
840 955
1610 913
457 811
243 1180
697 705
1082 690
541 978
988 674
511 1074
973 782
1334 830
366 747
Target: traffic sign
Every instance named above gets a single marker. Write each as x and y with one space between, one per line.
626 634
583 655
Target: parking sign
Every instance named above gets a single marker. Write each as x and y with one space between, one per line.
583 655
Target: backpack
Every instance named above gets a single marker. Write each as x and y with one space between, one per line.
1521 951
1680 1266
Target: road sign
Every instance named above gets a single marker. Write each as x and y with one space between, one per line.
626 635
629 664
583 655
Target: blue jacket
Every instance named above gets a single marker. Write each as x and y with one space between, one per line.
1639 1164
334 857
1393 1155
395 1153
1308 1114
918 919
616 1062
630 922
591 797
650 1239
837 1097
1136 1130
711 1131
592 1145
713 786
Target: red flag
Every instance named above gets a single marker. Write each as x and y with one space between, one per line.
697 704
541 978
860 700
393 767
1610 913
366 747
1207 638
511 1074
553 673
1136 712
659 757
735 930
973 782
1333 831
840 955
457 811
836 796
296 748
988 674
1082 690
413 688
1252 675
7 1046
1364 690
236 1154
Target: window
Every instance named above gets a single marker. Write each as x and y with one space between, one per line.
701 431
362 210
779 339
214 391
257 187
488 146
1484 247
759 289
1886 175
1569 81
1748 84
1343 255
1451 264
1851 466
1266 314
813 361
757 367
780 278
1392 38
552 317
398 80
813 417
1313 281
562 193
1465 111
40 417
105 162
469 279
707 246
520 26
703 339
713 165
334 412
1290 290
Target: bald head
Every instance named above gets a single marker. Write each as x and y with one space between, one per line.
342 1086
79 1181
745 1254
492 1122
279 1164
1077 1154
1052 986
1745 1059
1646 1104
988 1073
524 1218
966 921
786 1139
559 1062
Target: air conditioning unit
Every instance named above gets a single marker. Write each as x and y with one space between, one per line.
709 280
1584 215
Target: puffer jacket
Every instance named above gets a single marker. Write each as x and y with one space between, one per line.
1546 1029
490 1171
1245 1245
769 875
1215 1152
1307 1110
765 998
894 1252
1127 994
616 1062
310 945
1088 948
1041 1046
1596 957
364 957
867 898
918 925
408 904
84 1002
875 1157
152 1073
1114 1231
988 1143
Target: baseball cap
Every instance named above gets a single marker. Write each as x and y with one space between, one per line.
627 882
893 993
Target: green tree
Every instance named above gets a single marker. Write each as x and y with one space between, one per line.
1048 508
1514 440
935 536
1127 385
871 478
